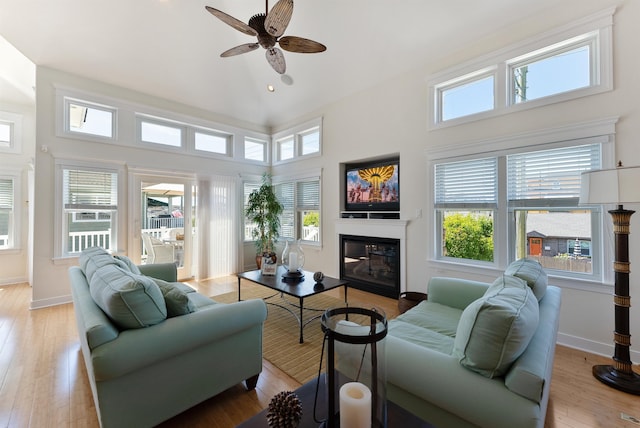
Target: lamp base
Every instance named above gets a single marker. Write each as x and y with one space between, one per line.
626 382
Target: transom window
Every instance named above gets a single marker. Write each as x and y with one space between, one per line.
163 133
298 142
564 65
213 142
83 117
6 132
255 150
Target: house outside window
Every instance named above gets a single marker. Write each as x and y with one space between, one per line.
88 194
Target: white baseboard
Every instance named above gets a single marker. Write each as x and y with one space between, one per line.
44 303
12 281
587 345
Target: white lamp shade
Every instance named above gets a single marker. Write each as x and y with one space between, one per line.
611 186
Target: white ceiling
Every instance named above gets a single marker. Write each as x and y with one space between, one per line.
171 48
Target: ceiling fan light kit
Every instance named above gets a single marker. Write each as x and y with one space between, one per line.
268 27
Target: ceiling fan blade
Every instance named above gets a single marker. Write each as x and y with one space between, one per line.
278 17
247 47
300 45
230 20
275 57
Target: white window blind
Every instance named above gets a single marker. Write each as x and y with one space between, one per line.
90 190
308 197
6 195
286 196
471 183
550 174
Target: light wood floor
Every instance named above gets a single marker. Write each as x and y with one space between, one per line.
43 380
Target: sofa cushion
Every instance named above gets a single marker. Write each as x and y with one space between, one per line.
93 258
130 300
532 272
176 297
496 329
125 263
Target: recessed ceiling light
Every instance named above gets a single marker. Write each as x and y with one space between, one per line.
270 88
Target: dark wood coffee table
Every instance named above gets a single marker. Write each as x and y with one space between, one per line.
397 417
300 289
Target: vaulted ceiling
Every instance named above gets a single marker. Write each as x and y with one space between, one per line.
171 48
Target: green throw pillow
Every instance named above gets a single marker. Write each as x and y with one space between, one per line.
129 300
494 330
532 272
176 297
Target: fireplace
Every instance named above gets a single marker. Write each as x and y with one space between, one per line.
371 264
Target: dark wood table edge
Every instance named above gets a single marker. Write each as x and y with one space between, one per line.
300 318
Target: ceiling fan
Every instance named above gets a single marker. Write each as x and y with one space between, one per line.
269 27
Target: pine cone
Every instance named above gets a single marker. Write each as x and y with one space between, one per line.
285 410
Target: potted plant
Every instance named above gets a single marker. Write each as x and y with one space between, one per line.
263 210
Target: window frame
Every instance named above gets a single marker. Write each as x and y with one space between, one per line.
595 28
158 121
67 101
265 150
61 232
13 235
14 121
310 176
297 134
229 139
602 132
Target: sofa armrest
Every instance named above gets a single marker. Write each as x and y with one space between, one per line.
165 271
455 292
439 379
138 348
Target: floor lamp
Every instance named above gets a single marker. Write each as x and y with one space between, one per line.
617 186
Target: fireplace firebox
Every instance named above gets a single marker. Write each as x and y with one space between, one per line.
371 264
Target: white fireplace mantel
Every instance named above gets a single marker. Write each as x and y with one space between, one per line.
379 228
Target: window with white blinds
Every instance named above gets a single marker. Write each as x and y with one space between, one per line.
549 174
471 183
6 212
248 227
94 192
300 217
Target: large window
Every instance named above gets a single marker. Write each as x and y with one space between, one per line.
540 189
7 212
88 194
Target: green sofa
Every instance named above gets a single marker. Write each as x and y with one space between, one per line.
477 354
154 347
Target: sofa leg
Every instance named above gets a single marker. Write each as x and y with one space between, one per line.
251 383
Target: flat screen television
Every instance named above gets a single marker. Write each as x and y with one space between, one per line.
373 185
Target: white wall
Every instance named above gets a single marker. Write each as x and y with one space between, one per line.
391 118
50 283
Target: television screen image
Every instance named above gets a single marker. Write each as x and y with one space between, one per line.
373 187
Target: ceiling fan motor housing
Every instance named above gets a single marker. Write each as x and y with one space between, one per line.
265 39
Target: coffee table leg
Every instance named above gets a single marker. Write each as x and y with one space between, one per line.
301 324
239 288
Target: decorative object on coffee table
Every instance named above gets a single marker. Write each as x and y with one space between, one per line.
318 277
356 381
293 261
285 410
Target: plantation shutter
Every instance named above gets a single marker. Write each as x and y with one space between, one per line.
466 184
286 196
90 190
6 195
551 176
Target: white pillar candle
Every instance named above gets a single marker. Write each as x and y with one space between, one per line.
293 262
355 405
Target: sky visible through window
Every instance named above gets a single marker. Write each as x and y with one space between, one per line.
543 76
